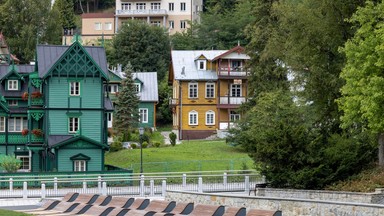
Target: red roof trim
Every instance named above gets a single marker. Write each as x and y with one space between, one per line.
238 49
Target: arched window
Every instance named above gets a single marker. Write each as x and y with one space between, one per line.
193 118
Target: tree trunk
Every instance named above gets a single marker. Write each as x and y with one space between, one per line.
381 149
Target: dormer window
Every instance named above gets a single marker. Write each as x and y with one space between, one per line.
137 87
13 85
202 65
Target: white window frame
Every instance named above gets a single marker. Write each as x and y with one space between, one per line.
12 103
233 116
73 124
113 88
210 117
193 90
210 88
108 26
98 26
171 24
171 6
183 24
140 6
74 88
183 6
156 23
2 124
143 113
126 6
15 121
155 6
201 63
79 165
13 85
236 87
137 87
22 157
193 118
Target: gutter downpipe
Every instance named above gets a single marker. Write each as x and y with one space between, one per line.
180 111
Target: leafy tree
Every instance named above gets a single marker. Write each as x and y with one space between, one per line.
23 22
147 47
362 95
127 104
10 163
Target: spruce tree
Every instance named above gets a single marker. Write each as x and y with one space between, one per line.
127 104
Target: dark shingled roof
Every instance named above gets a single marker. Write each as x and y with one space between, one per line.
47 55
108 104
19 110
21 69
24 88
55 139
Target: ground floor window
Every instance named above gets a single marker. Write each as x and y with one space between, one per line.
80 165
25 163
233 116
143 115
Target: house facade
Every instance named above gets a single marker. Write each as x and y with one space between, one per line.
208 88
53 114
146 86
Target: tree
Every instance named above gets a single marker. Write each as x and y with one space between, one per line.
26 22
146 47
10 163
362 98
127 104
66 15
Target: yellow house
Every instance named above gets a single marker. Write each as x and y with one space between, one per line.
208 87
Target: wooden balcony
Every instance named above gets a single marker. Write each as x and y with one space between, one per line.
231 72
142 13
17 138
37 101
231 102
224 125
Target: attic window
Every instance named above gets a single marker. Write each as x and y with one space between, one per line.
13 85
202 65
137 87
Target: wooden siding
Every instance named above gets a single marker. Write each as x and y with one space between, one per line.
200 94
225 89
201 110
35 166
66 164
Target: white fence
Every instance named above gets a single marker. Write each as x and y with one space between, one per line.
153 185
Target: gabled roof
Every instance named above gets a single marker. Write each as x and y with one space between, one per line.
238 49
12 70
108 104
48 55
57 141
113 77
22 69
149 87
185 68
18 93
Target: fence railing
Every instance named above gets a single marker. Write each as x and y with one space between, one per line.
152 184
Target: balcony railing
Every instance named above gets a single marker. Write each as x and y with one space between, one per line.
233 71
224 125
17 138
37 102
232 100
141 12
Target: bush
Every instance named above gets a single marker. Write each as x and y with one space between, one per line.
133 146
117 145
144 144
172 137
10 163
156 144
135 137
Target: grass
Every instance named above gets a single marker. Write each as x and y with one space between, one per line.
188 156
157 137
11 213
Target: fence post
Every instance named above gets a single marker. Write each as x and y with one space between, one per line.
142 186
163 188
104 189
200 186
11 184
25 190
84 185
152 187
43 191
225 177
55 184
99 184
246 188
184 180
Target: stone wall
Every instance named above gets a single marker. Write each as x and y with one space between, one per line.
288 206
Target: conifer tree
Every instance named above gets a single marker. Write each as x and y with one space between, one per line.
127 104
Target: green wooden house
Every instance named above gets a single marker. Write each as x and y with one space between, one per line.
54 113
147 90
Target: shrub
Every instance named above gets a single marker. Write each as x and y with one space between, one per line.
133 146
144 144
156 144
172 137
117 145
10 163
135 137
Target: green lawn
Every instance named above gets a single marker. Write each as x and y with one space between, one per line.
188 156
11 213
